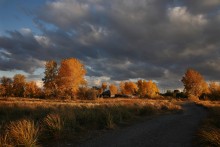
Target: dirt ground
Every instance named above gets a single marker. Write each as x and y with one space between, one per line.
174 130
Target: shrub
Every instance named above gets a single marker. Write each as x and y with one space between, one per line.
109 121
193 98
53 124
5 140
86 93
210 136
24 133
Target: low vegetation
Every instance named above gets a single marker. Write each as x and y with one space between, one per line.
35 122
209 132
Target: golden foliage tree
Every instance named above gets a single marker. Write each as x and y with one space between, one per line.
49 80
70 76
7 84
113 89
2 90
18 85
214 91
151 89
104 86
32 90
194 83
147 89
128 88
141 88
122 87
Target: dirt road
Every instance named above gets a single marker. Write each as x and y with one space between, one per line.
175 130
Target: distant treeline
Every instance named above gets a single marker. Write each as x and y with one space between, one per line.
67 81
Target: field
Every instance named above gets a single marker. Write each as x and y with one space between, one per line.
209 132
32 122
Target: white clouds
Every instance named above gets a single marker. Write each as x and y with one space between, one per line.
65 13
182 17
97 81
120 39
43 40
5 55
25 31
96 34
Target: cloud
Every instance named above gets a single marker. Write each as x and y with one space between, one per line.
126 39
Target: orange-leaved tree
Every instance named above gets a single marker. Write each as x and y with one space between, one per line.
70 76
128 88
2 90
147 89
18 85
194 83
7 84
104 86
214 91
151 89
113 89
32 90
141 88
122 87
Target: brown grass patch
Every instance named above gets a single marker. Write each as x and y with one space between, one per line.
209 132
61 120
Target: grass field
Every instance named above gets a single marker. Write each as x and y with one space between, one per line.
32 122
209 132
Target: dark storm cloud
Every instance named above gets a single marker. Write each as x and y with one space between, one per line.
150 39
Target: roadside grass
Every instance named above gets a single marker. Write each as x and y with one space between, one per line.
33 122
209 132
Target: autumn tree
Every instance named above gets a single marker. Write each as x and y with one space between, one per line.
147 89
113 89
2 90
70 76
49 80
32 90
7 84
128 88
142 88
122 87
18 85
194 83
104 86
151 89
214 91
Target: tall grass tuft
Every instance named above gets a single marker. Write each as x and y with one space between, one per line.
209 132
53 125
210 136
24 133
5 140
109 121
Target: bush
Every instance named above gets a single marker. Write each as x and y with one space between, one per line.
86 93
23 133
53 124
5 140
210 136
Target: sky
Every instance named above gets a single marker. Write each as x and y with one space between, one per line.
117 40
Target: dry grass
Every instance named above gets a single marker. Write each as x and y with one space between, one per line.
210 136
23 133
53 125
61 120
5 140
209 132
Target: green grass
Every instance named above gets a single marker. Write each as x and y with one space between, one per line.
58 121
